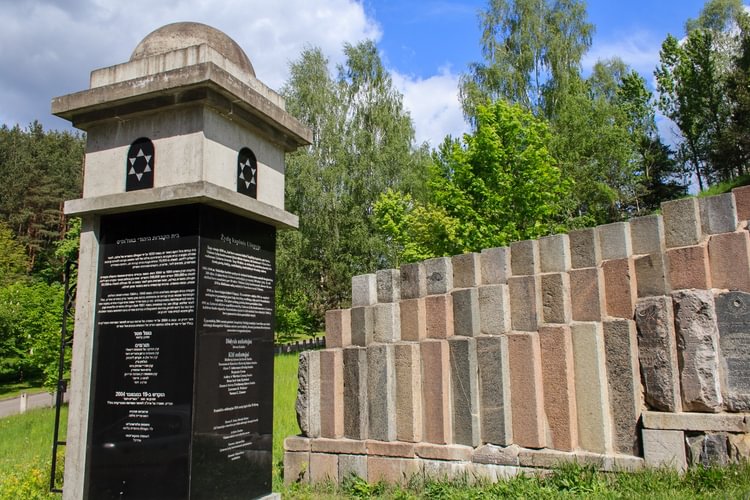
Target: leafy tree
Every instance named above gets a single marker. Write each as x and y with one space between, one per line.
363 144
12 257
500 184
532 51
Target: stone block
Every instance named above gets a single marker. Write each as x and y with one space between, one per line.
390 470
338 446
547 459
496 420
718 214
687 267
464 391
556 306
495 264
364 290
408 392
436 408
438 275
296 467
592 390
352 465
413 319
308 393
682 222
494 309
467 270
524 257
587 294
381 392
554 253
708 450
442 470
413 281
439 310
729 255
739 447
647 234
324 467
389 285
452 452
733 318
614 241
742 202
387 322
338 328
724 422
584 248
355 393
620 291
697 349
296 443
651 275
331 393
363 325
559 386
657 353
527 400
390 449
623 379
525 302
664 448
496 455
466 312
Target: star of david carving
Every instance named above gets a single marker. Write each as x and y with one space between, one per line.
247 172
139 164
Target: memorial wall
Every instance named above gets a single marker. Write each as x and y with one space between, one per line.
621 346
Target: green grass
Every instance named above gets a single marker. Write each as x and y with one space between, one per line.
725 187
15 389
284 414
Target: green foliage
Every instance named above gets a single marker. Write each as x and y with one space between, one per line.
284 413
13 261
363 144
499 185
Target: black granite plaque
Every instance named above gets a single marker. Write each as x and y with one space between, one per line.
183 364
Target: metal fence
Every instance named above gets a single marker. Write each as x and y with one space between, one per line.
300 345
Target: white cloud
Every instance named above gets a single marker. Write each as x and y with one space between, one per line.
433 104
639 49
48 47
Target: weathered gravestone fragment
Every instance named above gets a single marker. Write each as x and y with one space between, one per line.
733 313
657 353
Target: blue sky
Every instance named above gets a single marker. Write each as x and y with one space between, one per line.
48 47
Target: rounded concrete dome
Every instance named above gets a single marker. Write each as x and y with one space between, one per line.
181 35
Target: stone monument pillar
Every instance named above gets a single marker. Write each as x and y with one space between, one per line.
171 392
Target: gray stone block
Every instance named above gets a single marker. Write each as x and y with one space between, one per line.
308 393
733 317
697 350
657 353
556 306
465 391
467 270
647 234
352 465
438 275
408 392
364 290
682 222
651 276
466 312
525 302
495 265
494 390
355 393
387 322
664 449
524 257
584 248
494 309
389 285
413 281
708 450
614 241
554 253
381 392
363 325
718 214
621 349
496 455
